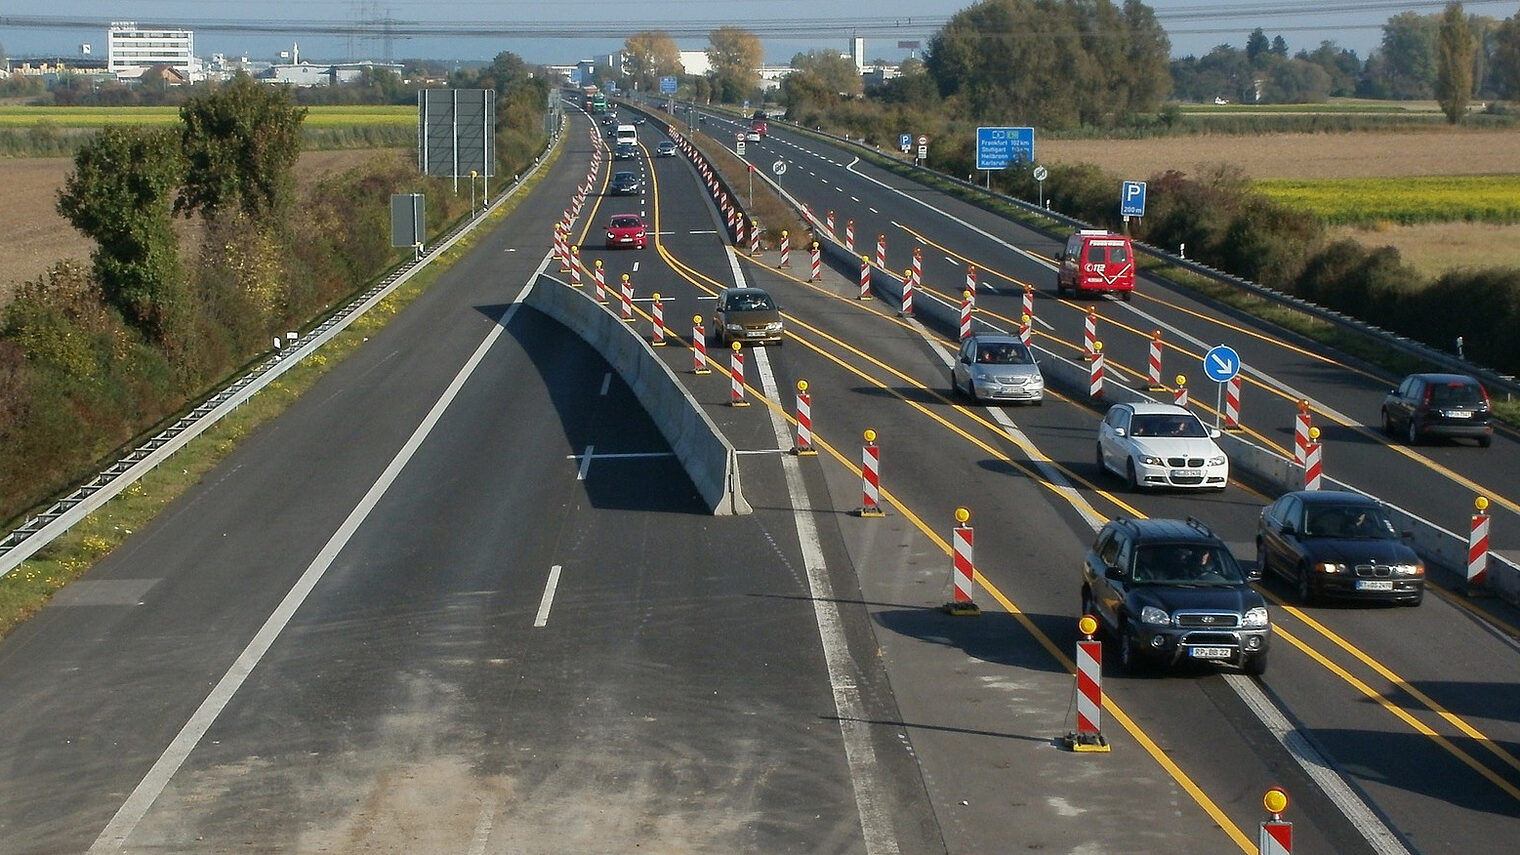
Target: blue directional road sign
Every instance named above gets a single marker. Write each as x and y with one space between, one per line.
1132 199
1221 363
1000 148
668 85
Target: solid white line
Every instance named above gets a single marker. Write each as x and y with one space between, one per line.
629 455
1362 817
585 462
606 382
548 599
875 824
137 805
483 827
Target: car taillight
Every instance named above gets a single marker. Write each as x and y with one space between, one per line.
1484 392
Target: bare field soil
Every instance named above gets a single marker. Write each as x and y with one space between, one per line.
1437 151
1434 248
41 238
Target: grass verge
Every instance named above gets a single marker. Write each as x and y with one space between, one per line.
27 589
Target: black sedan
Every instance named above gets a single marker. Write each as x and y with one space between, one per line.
1337 544
625 184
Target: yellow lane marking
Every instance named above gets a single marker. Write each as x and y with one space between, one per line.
1398 712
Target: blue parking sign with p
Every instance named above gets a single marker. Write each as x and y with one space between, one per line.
1132 199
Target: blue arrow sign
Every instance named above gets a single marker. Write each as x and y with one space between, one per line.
1221 363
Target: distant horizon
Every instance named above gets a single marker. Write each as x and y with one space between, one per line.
574 30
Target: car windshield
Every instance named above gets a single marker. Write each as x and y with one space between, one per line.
1186 564
752 302
1165 424
622 176
626 222
1003 353
1348 522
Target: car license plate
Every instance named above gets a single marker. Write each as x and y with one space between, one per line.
1187 473
1459 414
1374 585
1210 652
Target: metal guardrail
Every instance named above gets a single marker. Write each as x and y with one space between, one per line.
37 531
1508 384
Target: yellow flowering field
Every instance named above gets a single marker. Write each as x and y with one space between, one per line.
1404 200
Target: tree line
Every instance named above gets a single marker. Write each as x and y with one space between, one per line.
206 248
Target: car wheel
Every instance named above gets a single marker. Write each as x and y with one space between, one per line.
1255 665
955 388
1485 441
1128 296
1130 477
1414 600
1388 425
1305 586
1413 432
1261 556
1090 608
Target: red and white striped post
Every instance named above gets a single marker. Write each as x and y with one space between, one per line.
804 446
625 292
1153 374
865 278
698 347
560 253
1180 392
870 478
738 224
1314 469
1089 733
657 314
881 250
1232 404
817 263
1095 372
849 236
918 267
736 373
600 278
786 250
829 222
1477 545
1089 332
1028 307
1301 433
963 569
754 236
575 267
1276 837
907 293
1026 324
971 280
965 315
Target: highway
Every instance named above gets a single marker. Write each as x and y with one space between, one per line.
460 598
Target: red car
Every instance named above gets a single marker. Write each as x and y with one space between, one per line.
627 230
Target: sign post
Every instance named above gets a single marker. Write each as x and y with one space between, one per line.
923 149
1220 364
1040 174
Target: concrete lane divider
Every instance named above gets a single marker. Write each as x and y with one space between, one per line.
708 458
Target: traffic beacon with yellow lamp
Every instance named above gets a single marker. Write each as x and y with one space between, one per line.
1276 833
1088 736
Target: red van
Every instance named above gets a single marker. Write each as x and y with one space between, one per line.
1095 261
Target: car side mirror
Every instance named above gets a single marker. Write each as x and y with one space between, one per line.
1213 433
1289 530
1253 575
1120 432
1060 255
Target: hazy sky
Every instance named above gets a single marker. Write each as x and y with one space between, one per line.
562 31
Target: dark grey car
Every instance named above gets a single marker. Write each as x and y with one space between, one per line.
1337 544
748 315
1427 406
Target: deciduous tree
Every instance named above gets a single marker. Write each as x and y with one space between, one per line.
241 143
650 55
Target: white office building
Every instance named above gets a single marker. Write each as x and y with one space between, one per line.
131 50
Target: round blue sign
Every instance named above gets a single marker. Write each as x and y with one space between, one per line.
1221 363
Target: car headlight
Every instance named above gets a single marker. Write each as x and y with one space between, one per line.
1154 616
1408 569
1217 460
1150 460
733 327
774 326
1255 617
1330 567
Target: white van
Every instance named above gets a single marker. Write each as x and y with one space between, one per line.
626 134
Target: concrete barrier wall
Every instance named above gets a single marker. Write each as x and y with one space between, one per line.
707 456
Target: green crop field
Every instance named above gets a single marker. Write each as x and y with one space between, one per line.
1404 200
98 117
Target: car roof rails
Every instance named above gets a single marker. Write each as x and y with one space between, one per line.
1198 525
